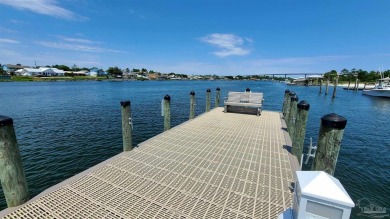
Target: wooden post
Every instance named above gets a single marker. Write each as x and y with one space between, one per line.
126 126
286 95
357 84
335 86
167 112
12 175
300 129
328 145
288 103
292 116
320 86
208 100
217 97
192 104
327 87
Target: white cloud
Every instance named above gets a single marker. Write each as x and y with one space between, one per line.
46 7
77 47
229 44
4 40
75 40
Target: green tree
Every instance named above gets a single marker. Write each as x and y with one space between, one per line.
135 70
62 67
114 71
144 70
331 75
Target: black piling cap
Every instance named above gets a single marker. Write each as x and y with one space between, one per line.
125 103
292 93
303 105
208 90
334 121
287 91
192 93
294 98
167 97
247 89
218 89
5 120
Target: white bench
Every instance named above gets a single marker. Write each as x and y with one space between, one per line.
244 102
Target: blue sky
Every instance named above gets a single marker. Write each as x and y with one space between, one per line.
198 36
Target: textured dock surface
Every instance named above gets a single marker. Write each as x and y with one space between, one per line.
219 165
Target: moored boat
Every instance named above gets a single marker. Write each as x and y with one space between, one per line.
381 89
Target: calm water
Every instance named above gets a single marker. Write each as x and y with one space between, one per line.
64 128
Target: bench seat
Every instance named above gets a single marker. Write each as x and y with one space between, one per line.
244 102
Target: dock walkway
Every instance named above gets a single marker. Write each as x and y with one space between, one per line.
218 165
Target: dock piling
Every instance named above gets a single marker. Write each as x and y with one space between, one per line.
288 103
167 112
320 86
126 126
292 116
217 97
192 104
12 175
328 145
208 100
357 84
300 129
327 87
335 87
286 95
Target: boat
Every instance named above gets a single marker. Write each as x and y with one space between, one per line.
381 89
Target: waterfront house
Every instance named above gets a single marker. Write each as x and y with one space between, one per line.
81 73
58 72
96 72
46 72
9 68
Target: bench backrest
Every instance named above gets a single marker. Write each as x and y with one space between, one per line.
245 97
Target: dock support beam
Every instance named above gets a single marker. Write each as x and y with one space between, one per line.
167 112
357 84
328 145
12 176
327 87
126 126
292 116
335 86
288 103
192 104
300 129
208 100
320 86
286 95
217 97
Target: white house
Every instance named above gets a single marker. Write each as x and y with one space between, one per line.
94 72
40 72
58 72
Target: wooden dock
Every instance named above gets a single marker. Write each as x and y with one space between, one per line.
218 165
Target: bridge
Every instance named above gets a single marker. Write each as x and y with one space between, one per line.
286 74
